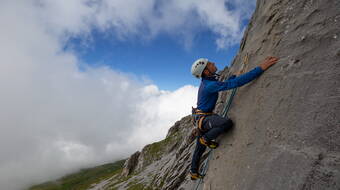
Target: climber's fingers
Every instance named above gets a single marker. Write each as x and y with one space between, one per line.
268 62
270 58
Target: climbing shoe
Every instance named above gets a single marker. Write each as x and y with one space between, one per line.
211 144
195 176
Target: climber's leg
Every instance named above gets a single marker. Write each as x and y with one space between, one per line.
199 150
215 125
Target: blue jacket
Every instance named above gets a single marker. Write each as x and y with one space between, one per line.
210 86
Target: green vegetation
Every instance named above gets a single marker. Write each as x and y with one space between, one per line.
118 181
84 178
134 185
152 152
155 150
139 186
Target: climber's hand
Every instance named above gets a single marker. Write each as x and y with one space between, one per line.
268 62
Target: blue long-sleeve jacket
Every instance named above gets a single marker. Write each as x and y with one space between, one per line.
210 86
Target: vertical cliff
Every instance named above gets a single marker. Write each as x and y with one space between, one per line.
287 133
287 122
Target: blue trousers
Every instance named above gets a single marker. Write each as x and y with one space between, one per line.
213 125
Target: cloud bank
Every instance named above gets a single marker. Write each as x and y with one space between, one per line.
54 117
146 19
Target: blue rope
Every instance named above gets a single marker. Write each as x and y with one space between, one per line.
226 109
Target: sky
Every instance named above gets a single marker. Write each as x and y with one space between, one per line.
85 82
158 60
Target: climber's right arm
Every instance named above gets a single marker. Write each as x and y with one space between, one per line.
234 82
216 86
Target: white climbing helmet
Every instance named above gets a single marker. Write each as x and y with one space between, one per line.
198 67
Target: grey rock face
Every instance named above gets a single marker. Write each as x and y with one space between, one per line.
161 165
130 164
287 122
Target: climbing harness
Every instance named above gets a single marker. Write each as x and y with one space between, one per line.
224 114
198 117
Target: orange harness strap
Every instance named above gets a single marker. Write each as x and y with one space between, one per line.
202 115
199 123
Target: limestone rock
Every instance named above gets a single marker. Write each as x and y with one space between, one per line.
130 164
287 121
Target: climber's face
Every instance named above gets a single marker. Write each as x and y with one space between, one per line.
210 68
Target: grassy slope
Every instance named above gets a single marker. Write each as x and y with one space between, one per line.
82 179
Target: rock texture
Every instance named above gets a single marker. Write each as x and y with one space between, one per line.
161 165
287 133
287 122
130 164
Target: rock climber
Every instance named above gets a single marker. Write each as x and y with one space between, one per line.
210 125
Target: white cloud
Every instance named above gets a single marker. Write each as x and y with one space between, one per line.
55 118
161 108
146 19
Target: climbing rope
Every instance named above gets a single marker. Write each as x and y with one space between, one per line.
224 114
